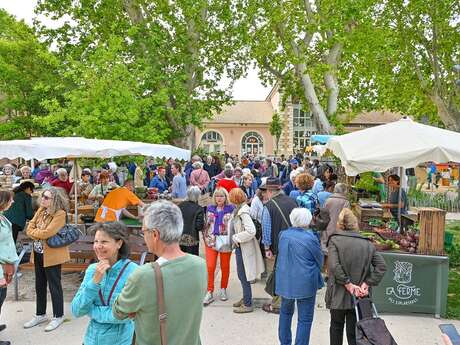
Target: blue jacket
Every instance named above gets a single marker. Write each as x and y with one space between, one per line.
162 185
103 328
289 187
298 266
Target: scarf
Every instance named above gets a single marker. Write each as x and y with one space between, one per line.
219 218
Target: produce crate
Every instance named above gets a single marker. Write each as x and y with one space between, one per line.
364 215
432 229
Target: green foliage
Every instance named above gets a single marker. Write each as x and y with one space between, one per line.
414 45
366 182
453 295
276 128
361 55
444 201
28 74
144 70
105 104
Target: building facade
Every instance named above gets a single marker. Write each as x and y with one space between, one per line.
243 127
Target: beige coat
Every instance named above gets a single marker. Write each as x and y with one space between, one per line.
334 204
42 227
245 233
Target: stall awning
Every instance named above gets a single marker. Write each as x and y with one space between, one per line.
321 138
403 143
77 147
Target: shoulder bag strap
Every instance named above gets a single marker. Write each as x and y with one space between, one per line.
101 297
162 316
282 214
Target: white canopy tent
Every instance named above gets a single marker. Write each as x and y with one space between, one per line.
404 143
77 147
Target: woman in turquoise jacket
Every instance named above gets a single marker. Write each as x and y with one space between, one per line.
8 255
102 284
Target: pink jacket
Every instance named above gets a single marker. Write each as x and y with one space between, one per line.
199 178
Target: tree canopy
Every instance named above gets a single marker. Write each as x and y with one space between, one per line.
152 66
28 74
152 71
345 56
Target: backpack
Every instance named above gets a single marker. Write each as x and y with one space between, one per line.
321 217
309 201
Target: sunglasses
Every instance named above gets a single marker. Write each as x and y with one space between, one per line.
46 197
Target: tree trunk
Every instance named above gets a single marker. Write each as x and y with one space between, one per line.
330 78
312 98
449 117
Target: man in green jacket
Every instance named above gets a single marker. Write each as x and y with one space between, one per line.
184 280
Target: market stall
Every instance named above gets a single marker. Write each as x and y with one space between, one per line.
417 276
73 148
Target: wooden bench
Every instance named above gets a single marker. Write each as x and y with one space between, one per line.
82 250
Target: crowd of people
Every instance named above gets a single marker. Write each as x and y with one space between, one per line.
269 213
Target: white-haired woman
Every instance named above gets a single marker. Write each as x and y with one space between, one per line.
199 177
26 174
290 186
298 276
62 180
193 217
48 220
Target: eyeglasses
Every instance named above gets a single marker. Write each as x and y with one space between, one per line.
46 197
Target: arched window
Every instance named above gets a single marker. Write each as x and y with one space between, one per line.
252 143
211 142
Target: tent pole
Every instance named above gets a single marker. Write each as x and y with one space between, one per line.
76 191
400 197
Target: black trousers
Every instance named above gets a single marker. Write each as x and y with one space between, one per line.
50 276
2 297
338 318
195 250
16 228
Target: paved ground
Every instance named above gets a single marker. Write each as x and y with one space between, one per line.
220 325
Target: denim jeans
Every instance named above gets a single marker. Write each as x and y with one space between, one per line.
247 292
305 310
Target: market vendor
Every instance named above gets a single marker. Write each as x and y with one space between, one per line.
100 191
115 203
394 183
159 181
83 186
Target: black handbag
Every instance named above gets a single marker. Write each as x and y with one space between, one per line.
67 235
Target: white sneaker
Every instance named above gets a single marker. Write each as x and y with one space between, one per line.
38 319
208 299
54 323
223 295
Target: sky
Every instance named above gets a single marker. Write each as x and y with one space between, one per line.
248 88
